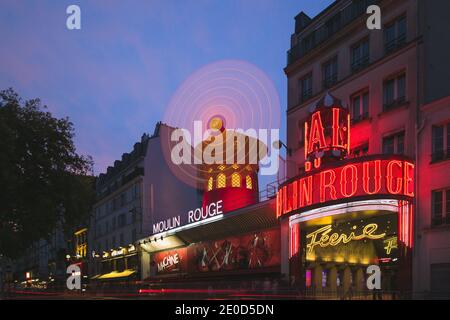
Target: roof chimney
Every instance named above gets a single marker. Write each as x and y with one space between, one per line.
301 21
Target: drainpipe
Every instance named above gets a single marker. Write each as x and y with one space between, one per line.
420 124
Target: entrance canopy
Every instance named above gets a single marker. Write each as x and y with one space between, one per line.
254 217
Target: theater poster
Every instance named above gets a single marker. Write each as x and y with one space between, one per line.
250 251
170 261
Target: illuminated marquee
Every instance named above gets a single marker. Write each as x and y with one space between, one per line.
371 176
323 238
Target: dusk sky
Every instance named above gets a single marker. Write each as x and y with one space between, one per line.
115 77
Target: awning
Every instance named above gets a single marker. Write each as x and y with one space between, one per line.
116 274
259 216
255 217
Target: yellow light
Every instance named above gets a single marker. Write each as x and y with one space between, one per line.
323 238
235 180
391 243
210 183
248 182
216 123
221 181
80 231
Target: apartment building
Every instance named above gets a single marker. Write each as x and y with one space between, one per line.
129 196
394 84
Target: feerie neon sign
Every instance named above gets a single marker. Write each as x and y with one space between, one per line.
373 176
322 237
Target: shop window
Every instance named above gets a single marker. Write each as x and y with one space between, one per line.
440 142
210 183
440 280
235 180
360 106
394 92
394 144
440 208
120 265
221 167
248 182
221 181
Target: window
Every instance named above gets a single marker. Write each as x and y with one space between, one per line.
360 151
122 242
113 242
306 88
133 236
440 143
360 55
395 35
114 223
248 182
135 191
329 73
394 92
440 210
360 106
122 220
210 183
394 144
123 199
235 180
115 203
221 181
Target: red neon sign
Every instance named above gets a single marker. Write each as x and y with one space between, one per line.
327 132
364 177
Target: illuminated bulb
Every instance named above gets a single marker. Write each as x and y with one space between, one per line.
216 123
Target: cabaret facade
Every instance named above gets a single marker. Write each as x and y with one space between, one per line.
344 214
395 169
231 237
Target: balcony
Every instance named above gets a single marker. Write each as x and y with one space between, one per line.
359 64
440 155
394 103
440 220
329 81
360 118
305 95
329 29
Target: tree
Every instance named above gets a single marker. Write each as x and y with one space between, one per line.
41 174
